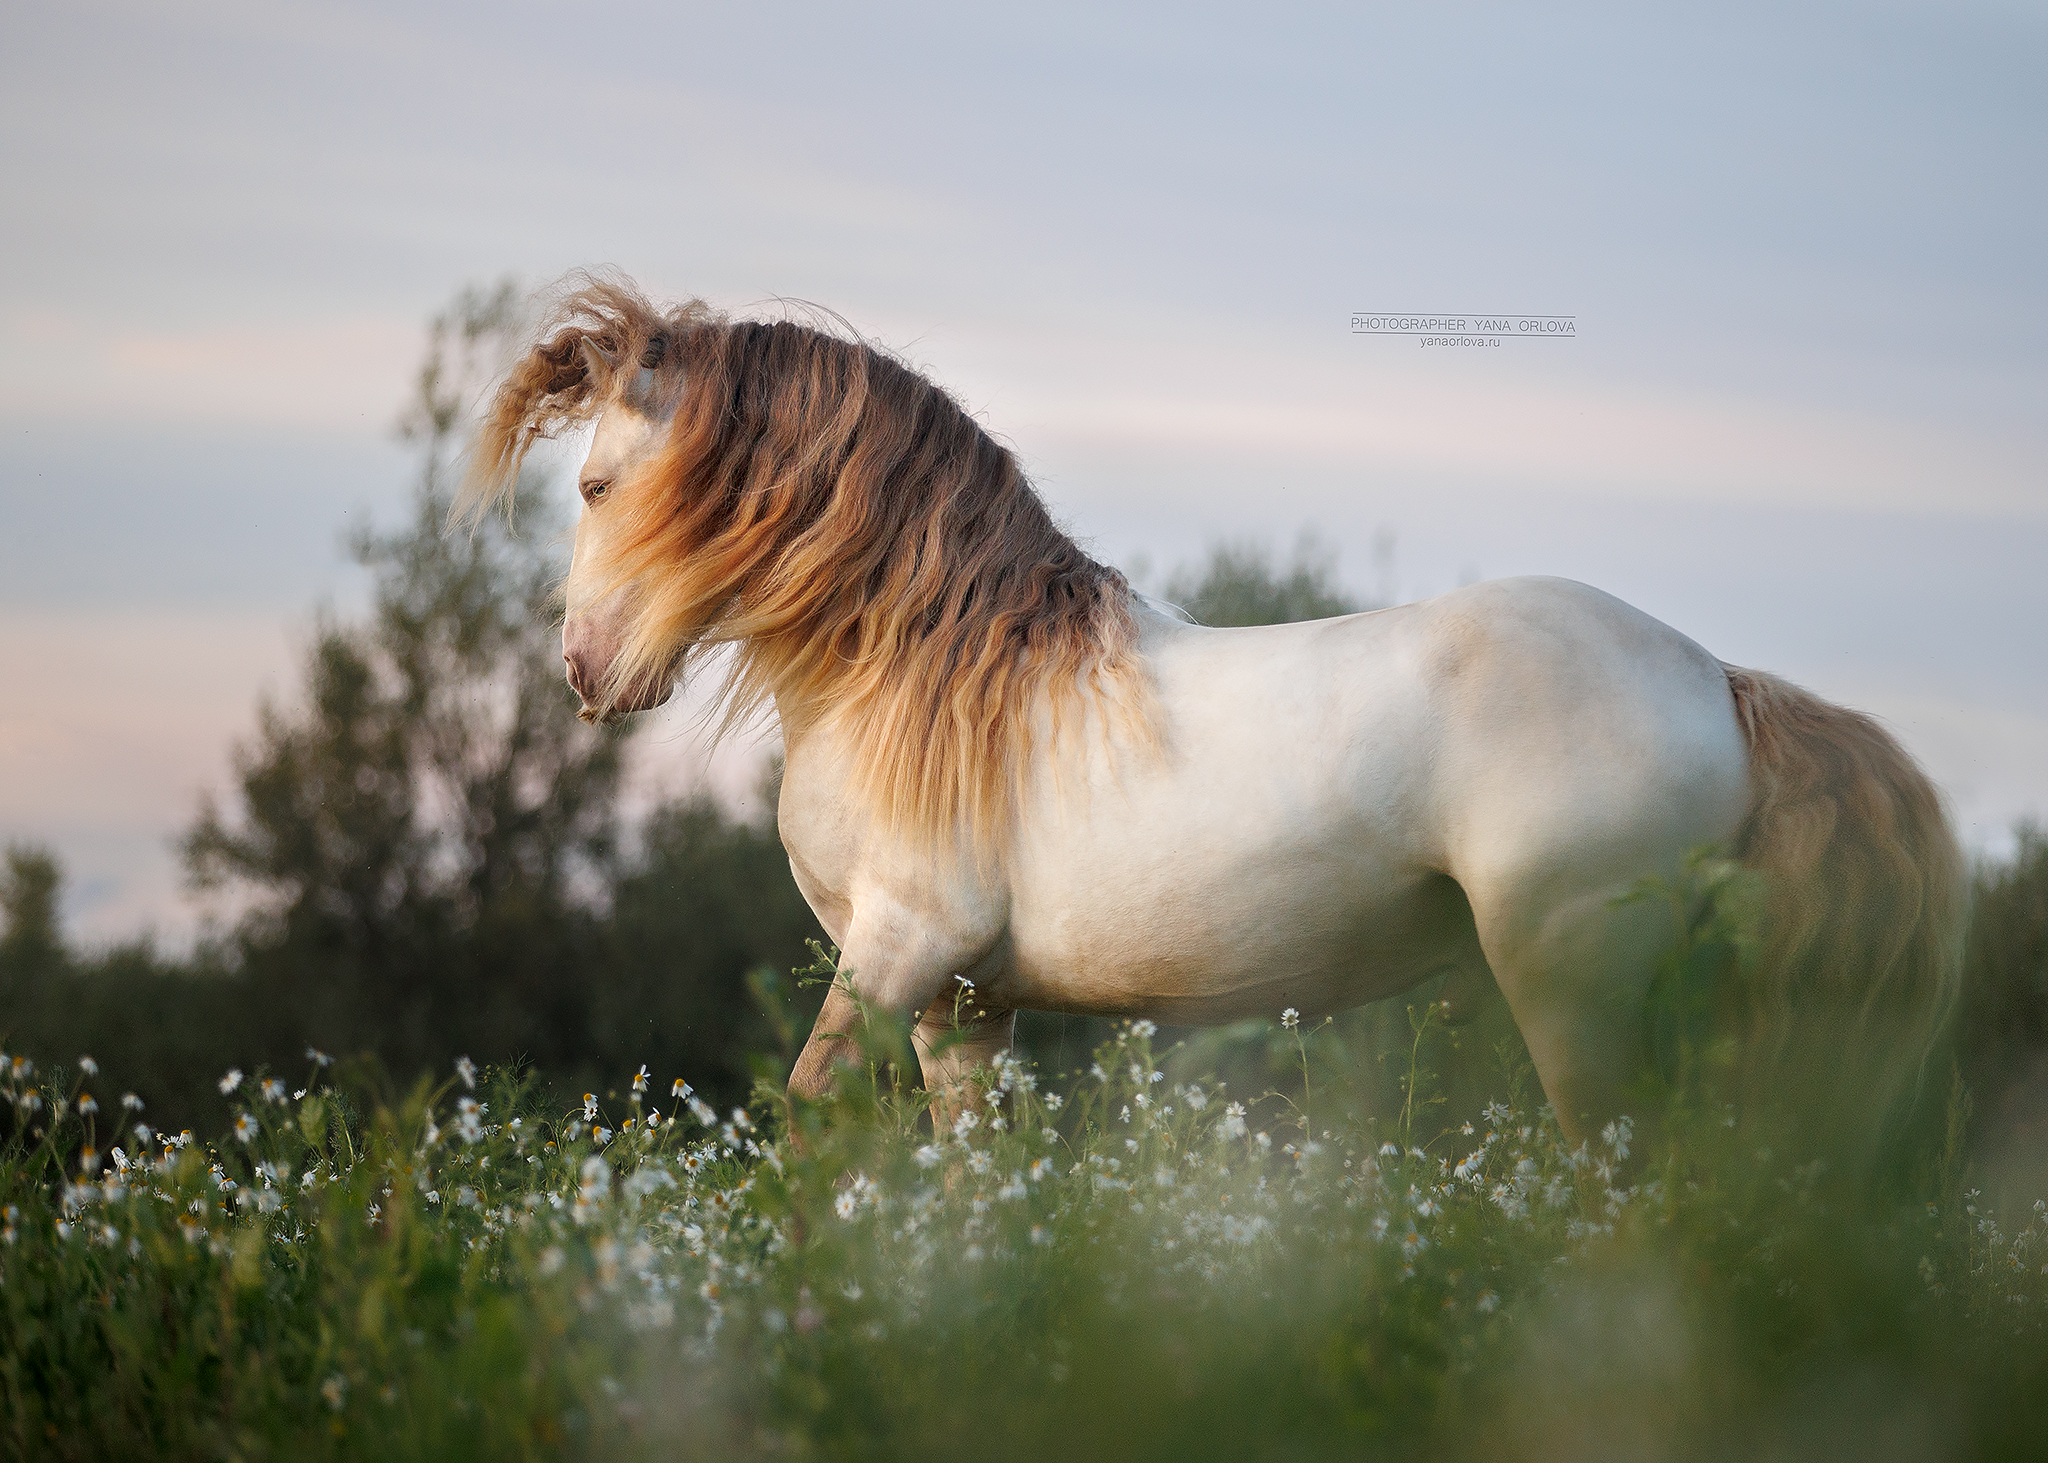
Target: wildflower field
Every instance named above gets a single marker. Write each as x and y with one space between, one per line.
1137 1260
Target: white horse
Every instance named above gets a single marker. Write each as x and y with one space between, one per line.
1003 765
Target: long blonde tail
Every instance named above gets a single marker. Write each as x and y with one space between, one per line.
1860 956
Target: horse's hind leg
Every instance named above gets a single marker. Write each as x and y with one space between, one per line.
1576 971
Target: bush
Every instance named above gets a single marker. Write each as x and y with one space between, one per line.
2003 1035
1147 1264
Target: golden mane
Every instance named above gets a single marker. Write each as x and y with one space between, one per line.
874 558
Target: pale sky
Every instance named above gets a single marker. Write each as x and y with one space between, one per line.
1805 419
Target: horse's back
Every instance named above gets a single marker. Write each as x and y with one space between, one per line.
1502 726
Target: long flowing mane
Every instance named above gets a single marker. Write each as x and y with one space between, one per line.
873 557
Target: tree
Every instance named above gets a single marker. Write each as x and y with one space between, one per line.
33 960
1240 586
426 840
28 897
2002 1025
706 922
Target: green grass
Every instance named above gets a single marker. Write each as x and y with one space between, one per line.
1143 1263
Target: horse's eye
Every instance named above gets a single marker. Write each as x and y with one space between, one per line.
596 488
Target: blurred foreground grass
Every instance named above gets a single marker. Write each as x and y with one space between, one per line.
1144 1263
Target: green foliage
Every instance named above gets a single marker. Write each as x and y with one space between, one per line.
1693 1009
28 897
1239 585
699 925
426 844
2003 1036
1144 1263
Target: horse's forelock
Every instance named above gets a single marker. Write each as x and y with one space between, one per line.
599 333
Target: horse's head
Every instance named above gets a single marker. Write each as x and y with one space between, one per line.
597 618
606 356
856 545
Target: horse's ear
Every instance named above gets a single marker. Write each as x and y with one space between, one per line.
597 361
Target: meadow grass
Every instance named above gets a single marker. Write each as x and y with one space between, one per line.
1137 1261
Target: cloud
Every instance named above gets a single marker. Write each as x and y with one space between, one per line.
121 720
343 372
1520 424
116 723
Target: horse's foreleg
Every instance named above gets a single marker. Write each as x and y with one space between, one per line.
831 1044
954 1036
894 961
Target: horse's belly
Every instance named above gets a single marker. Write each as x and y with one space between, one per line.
1276 854
1252 939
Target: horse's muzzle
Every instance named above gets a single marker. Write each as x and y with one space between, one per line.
643 695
